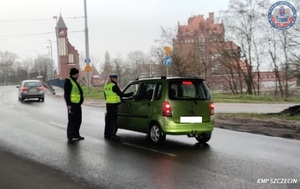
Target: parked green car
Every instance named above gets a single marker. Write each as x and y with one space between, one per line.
173 106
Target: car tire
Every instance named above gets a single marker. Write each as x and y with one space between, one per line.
203 138
42 99
155 134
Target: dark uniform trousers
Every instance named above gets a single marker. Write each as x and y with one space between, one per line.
111 119
74 121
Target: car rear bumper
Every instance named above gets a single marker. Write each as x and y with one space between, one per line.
173 128
33 95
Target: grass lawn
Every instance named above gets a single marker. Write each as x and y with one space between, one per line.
220 97
259 116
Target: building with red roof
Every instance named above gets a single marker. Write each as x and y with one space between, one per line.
201 47
68 55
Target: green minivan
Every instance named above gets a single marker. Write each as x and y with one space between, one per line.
163 105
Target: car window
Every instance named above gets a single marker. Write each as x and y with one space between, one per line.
130 91
32 84
188 89
146 91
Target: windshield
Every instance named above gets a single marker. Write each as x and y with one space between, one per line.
33 84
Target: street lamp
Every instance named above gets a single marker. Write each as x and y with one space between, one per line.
51 61
58 59
87 58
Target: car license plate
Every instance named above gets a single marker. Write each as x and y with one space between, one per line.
33 90
191 119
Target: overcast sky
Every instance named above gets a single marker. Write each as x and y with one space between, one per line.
116 26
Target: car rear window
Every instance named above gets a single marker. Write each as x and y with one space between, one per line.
188 90
32 84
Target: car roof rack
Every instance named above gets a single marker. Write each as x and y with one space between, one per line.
165 77
152 77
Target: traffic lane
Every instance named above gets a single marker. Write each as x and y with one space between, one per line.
53 112
19 173
124 165
251 107
241 158
53 151
51 107
134 163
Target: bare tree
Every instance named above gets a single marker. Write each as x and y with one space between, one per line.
27 65
138 62
7 61
243 21
119 68
107 66
40 66
283 51
158 54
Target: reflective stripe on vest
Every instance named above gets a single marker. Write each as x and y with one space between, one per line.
75 94
111 97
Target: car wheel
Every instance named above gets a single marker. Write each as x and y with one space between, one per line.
22 99
203 138
42 99
155 134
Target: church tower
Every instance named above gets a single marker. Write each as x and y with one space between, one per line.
68 56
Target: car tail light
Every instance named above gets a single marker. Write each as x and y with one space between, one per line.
187 83
23 89
167 110
212 108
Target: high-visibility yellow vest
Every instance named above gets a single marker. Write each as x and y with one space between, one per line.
111 96
75 94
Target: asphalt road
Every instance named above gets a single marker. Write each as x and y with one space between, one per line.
35 154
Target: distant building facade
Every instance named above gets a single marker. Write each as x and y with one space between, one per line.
69 58
201 45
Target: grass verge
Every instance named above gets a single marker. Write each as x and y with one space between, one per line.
258 116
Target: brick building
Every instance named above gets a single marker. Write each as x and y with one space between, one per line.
201 46
68 55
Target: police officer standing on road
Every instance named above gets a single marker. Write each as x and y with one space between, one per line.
74 98
112 94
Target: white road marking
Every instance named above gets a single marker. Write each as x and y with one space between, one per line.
125 143
57 124
149 149
25 113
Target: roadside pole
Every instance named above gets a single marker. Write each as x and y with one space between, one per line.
88 67
168 59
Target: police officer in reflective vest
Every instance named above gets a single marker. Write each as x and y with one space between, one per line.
112 94
74 98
